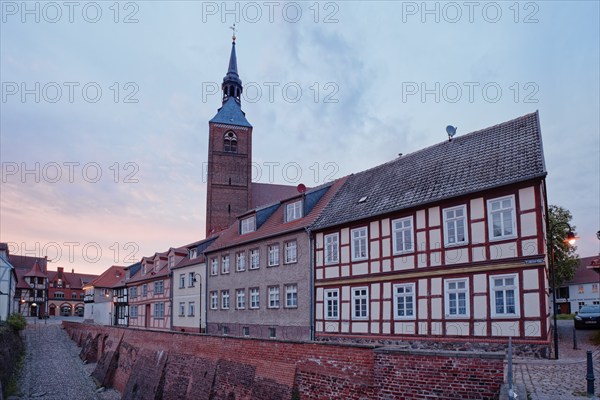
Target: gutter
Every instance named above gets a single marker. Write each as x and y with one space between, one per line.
311 283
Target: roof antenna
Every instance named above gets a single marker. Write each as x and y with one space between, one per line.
451 131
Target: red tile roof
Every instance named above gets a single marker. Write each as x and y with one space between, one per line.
36 270
585 274
109 278
276 224
267 193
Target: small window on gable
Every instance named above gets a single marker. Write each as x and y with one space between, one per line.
248 225
293 211
230 142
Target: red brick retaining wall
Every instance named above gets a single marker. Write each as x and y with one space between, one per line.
169 365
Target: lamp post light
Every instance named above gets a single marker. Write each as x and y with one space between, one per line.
571 239
199 310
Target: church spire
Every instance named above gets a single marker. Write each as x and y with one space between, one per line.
232 84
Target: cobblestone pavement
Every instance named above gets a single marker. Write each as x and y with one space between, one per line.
563 379
52 369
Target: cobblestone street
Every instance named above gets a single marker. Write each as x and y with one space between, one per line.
52 369
562 379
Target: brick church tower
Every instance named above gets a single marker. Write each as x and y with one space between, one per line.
229 183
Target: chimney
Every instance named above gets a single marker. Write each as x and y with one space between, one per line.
60 272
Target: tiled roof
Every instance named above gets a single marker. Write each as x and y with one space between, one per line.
496 156
268 193
26 262
109 278
231 114
36 270
585 274
200 246
275 224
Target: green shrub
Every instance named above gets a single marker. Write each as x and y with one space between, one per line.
16 322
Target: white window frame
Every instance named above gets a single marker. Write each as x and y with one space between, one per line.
191 277
225 299
240 296
225 264
248 225
254 258
293 211
405 291
291 252
181 281
331 244
403 229
191 308
273 255
133 311
214 266
291 301
144 290
358 236
362 296
171 261
254 298
331 298
159 310
240 261
214 300
455 221
273 296
491 213
182 309
504 288
448 292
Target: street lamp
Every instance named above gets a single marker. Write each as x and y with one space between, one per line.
199 281
570 239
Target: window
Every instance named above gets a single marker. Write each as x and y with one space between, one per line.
594 288
272 333
457 293
214 300
225 330
230 142
254 298
191 279
359 244
332 304
159 287
501 218
74 296
455 225
225 264
254 259
181 281
246 331
182 309
159 310
144 290
225 299
171 261
580 289
240 294
293 211
291 253
248 225
403 235
133 311
240 261
273 255
133 292
505 295
360 297
193 253
332 248
156 265
273 296
59 295
214 266
191 308
404 301
291 296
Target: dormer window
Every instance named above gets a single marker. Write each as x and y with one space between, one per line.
193 253
248 225
156 265
171 261
293 211
230 142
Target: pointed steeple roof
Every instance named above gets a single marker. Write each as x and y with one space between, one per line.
36 270
232 71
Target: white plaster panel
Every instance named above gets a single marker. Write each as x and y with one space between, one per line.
345 293
529 247
345 308
503 250
387 290
319 273
530 279
436 328
345 327
387 309
422 309
532 304
320 294
332 272
332 326
386 265
375 307
478 254
421 260
385 227
436 286
360 269
422 325
533 328
319 326
509 328
420 219
375 267
374 327
480 328
345 236
345 270
528 224
345 254
374 291
480 283
374 229
319 258
477 232
527 198
457 328
360 327
421 240
480 307
319 311
386 328
436 308
456 256
435 239
422 287
435 258
477 208
374 252
404 328
319 240
404 262
386 247
434 216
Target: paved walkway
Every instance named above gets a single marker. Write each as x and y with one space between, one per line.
562 379
53 369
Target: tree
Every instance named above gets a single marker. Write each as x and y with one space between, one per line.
566 259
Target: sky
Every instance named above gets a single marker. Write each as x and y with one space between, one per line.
105 105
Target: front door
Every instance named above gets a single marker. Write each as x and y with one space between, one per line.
147 316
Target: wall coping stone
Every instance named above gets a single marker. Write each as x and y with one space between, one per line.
442 353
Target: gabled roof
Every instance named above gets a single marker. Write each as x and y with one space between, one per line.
200 247
74 279
26 262
231 114
109 278
489 158
275 224
268 193
584 273
36 271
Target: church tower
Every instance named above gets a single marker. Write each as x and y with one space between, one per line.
229 155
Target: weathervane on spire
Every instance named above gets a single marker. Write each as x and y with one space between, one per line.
233 29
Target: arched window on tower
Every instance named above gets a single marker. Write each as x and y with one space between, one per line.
230 142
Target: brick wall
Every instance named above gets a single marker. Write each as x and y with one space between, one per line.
151 364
